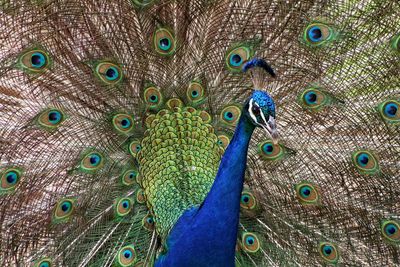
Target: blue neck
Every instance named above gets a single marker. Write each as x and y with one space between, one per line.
206 236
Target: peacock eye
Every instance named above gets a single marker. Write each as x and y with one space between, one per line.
63 210
255 110
250 242
152 97
54 117
109 73
126 256
223 140
9 179
315 33
390 111
270 151
134 147
365 162
230 115
310 98
123 207
92 161
123 123
390 230
314 99
43 263
112 74
237 56
51 118
140 196
38 60
235 60
164 42
307 193
195 92
148 222
248 201
129 177
318 33
329 252
34 61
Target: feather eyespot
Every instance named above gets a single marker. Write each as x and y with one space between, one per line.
195 93
38 60
235 60
152 97
317 34
126 256
10 178
250 242
109 73
223 140
236 57
328 252
164 42
172 104
270 151
134 148
205 116
129 177
123 123
34 61
148 222
123 206
313 98
248 201
46 262
307 193
51 118
63 210
230 115
92 161
391 230
365 162
140 196
390 111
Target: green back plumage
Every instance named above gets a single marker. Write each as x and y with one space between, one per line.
178 162
114 116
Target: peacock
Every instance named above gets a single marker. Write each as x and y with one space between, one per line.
199 133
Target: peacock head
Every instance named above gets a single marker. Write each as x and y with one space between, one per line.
260 107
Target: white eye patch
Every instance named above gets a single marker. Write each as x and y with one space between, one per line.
253 116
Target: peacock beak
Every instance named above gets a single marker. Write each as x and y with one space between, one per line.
270 127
